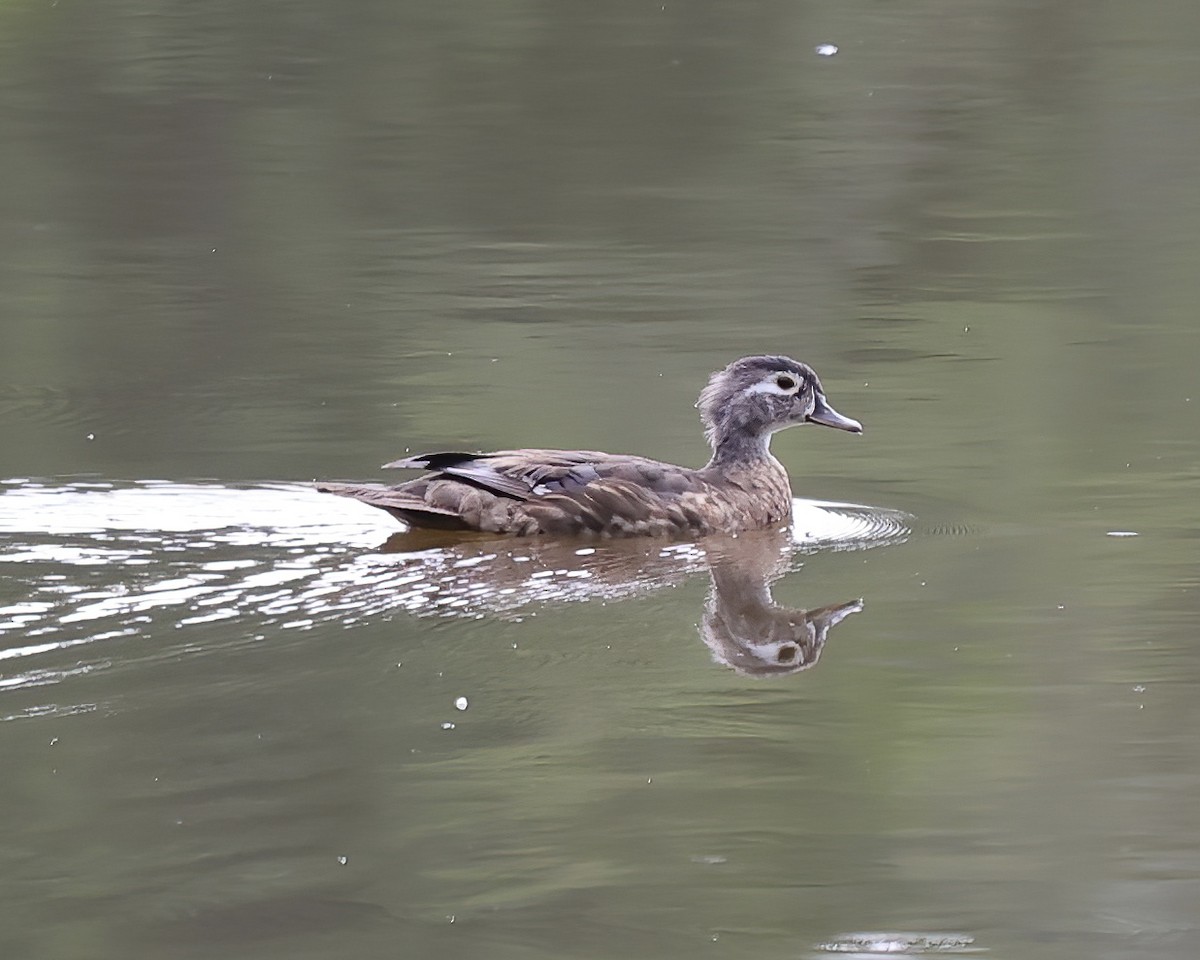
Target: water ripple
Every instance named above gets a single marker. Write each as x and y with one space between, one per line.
89 563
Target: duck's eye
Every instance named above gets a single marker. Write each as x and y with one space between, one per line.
784 382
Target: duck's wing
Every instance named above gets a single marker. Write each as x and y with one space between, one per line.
550 491
533 474
474 468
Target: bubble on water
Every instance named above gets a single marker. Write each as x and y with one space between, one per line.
461 703
826 49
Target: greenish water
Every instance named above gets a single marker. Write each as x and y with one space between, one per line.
249 246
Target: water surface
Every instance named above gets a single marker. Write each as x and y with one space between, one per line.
247 247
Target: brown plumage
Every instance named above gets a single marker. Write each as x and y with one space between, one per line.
572 492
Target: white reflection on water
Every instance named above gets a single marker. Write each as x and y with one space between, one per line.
88 562
865 945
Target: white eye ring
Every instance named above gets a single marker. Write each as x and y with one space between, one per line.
775 384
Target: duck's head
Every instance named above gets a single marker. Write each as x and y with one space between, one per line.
755 396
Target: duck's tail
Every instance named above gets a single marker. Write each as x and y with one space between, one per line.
402 506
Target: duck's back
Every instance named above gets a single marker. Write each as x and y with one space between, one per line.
573 492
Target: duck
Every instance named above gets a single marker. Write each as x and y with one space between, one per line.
586 493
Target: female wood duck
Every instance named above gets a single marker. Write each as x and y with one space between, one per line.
582 492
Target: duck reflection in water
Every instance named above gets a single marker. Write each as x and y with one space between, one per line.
742 625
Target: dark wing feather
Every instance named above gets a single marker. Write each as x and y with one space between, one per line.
474 468
482 475
432 461
520 474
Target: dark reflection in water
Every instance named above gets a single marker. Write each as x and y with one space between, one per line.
260 920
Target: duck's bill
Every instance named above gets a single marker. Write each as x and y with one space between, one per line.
826 416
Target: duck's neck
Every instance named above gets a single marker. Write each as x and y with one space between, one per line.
740 449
